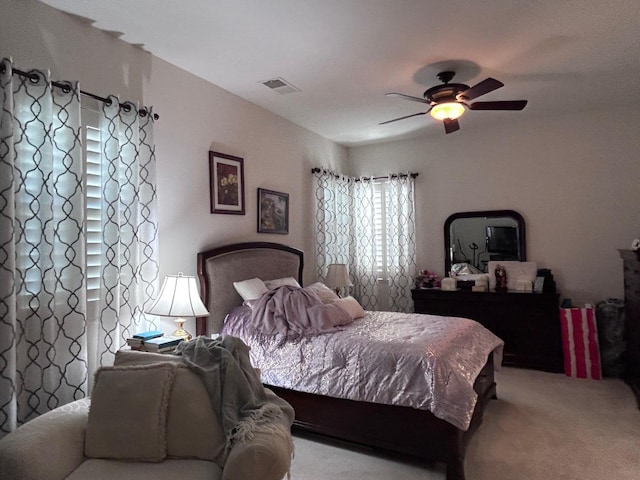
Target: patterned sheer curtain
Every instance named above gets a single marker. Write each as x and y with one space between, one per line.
129 260
370 226
400 240
47 355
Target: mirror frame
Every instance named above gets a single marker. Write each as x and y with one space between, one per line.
488 214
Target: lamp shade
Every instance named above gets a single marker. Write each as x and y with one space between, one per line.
337 276
450 110
178 298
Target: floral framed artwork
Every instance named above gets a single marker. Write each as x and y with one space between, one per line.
273 211
226 183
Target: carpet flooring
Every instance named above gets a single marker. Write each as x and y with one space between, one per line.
543 426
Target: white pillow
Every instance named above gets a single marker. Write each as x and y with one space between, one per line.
251 289
351 306
279 282
325 293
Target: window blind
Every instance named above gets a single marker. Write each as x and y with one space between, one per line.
93 189
380 225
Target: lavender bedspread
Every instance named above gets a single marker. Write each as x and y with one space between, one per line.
422 361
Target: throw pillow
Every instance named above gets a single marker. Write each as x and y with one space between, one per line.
193 428
278 282
325 293
128 413
351 306
250 289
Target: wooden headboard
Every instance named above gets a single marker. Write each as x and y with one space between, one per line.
219 267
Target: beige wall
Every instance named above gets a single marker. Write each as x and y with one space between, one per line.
574 179
195 117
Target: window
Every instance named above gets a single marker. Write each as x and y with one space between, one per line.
93 189
380 226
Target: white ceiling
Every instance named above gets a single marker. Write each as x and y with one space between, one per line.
344 55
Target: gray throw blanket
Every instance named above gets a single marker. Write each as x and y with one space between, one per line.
233 385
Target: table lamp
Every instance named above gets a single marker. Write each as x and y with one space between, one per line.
338 277
179 298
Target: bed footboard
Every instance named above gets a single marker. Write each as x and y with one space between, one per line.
403 430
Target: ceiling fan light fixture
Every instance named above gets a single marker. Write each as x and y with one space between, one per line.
451 110
448 101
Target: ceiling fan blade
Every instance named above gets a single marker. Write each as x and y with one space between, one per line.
407 97
503 105
450 125
482 88
402 118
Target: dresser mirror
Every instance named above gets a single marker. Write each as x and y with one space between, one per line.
472 239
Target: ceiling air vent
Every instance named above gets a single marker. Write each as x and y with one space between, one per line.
280 85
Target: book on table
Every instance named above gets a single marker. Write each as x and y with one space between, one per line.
162 344
148 334
135 343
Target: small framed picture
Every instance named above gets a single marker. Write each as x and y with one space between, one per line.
273 211
226 183
538 286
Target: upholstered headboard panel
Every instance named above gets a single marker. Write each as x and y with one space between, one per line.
220 267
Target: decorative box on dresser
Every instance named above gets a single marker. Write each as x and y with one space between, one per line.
631 265
528 322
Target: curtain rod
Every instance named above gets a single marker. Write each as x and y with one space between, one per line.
394 175
65 88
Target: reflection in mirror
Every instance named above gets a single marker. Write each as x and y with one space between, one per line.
474 238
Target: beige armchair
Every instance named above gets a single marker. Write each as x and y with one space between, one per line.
154 432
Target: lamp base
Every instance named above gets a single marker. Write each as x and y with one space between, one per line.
181 332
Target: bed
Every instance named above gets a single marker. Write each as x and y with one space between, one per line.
391 427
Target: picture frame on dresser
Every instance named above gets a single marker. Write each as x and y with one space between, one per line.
226 183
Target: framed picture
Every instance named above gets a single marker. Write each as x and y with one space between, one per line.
273 211
226 183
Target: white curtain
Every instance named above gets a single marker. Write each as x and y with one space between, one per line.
345 231
129 274
45 360
400 241
370 226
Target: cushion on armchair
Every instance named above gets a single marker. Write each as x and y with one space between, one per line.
128 412
193 428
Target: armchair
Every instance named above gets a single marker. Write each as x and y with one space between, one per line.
74 443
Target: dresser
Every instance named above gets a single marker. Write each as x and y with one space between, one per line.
528 322
631 267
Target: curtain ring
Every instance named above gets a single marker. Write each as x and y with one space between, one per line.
64 86
33 76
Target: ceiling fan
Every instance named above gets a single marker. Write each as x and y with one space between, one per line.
448 101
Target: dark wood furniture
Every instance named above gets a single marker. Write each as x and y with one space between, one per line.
529 323
394 428
463 228
631 265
